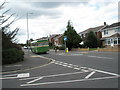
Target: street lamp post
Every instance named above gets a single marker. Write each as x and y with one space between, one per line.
28 32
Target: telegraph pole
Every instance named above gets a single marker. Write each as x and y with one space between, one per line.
28 32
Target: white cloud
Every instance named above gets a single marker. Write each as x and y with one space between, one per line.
83 16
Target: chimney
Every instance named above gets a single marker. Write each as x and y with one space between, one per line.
105 24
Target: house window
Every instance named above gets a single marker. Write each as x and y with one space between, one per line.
82 35
117 29
105 32
107 41
115 41
118 40
112 40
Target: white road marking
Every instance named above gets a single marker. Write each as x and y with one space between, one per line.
101 57
56 63
69 66
77 68
70 81
10 75
89 75
35 80
85 69
64 65
53 75
22 75
9 78
75 65
61 62
105 72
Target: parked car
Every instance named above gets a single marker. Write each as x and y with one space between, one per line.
25 47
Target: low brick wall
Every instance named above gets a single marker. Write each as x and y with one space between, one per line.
109 49
80 49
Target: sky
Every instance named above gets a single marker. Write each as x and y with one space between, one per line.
46 17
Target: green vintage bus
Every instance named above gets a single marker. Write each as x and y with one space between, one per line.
40 46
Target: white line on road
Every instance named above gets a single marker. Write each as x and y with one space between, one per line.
85 68
89 75
35 80
9 78
64 65
54 75
101 57
70 81
77 68
10 75
69 66
22 75
114 74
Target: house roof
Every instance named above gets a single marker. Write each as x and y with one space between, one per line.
112 25
95 29
42 38
54 35
114 35
58 36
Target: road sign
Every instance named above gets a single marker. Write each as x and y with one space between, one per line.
65 38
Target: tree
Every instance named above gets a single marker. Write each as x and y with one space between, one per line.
11 52
91 40
73 39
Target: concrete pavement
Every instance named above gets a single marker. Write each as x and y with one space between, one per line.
31 61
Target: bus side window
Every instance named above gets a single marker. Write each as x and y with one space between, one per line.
39 44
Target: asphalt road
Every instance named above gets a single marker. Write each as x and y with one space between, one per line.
64 70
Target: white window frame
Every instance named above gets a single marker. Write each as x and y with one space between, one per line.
105 32
112 42
116 40
108 39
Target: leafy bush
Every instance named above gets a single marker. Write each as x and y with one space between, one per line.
12 55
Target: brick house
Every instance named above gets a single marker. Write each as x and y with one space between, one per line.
58 40
51 38
96 30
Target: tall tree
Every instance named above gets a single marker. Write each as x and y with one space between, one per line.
11 52
73 39
8 36
91 40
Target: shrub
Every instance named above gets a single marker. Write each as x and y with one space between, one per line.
12 55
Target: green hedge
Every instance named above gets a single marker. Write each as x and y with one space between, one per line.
12 55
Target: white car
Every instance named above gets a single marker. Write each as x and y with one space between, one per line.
25 47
